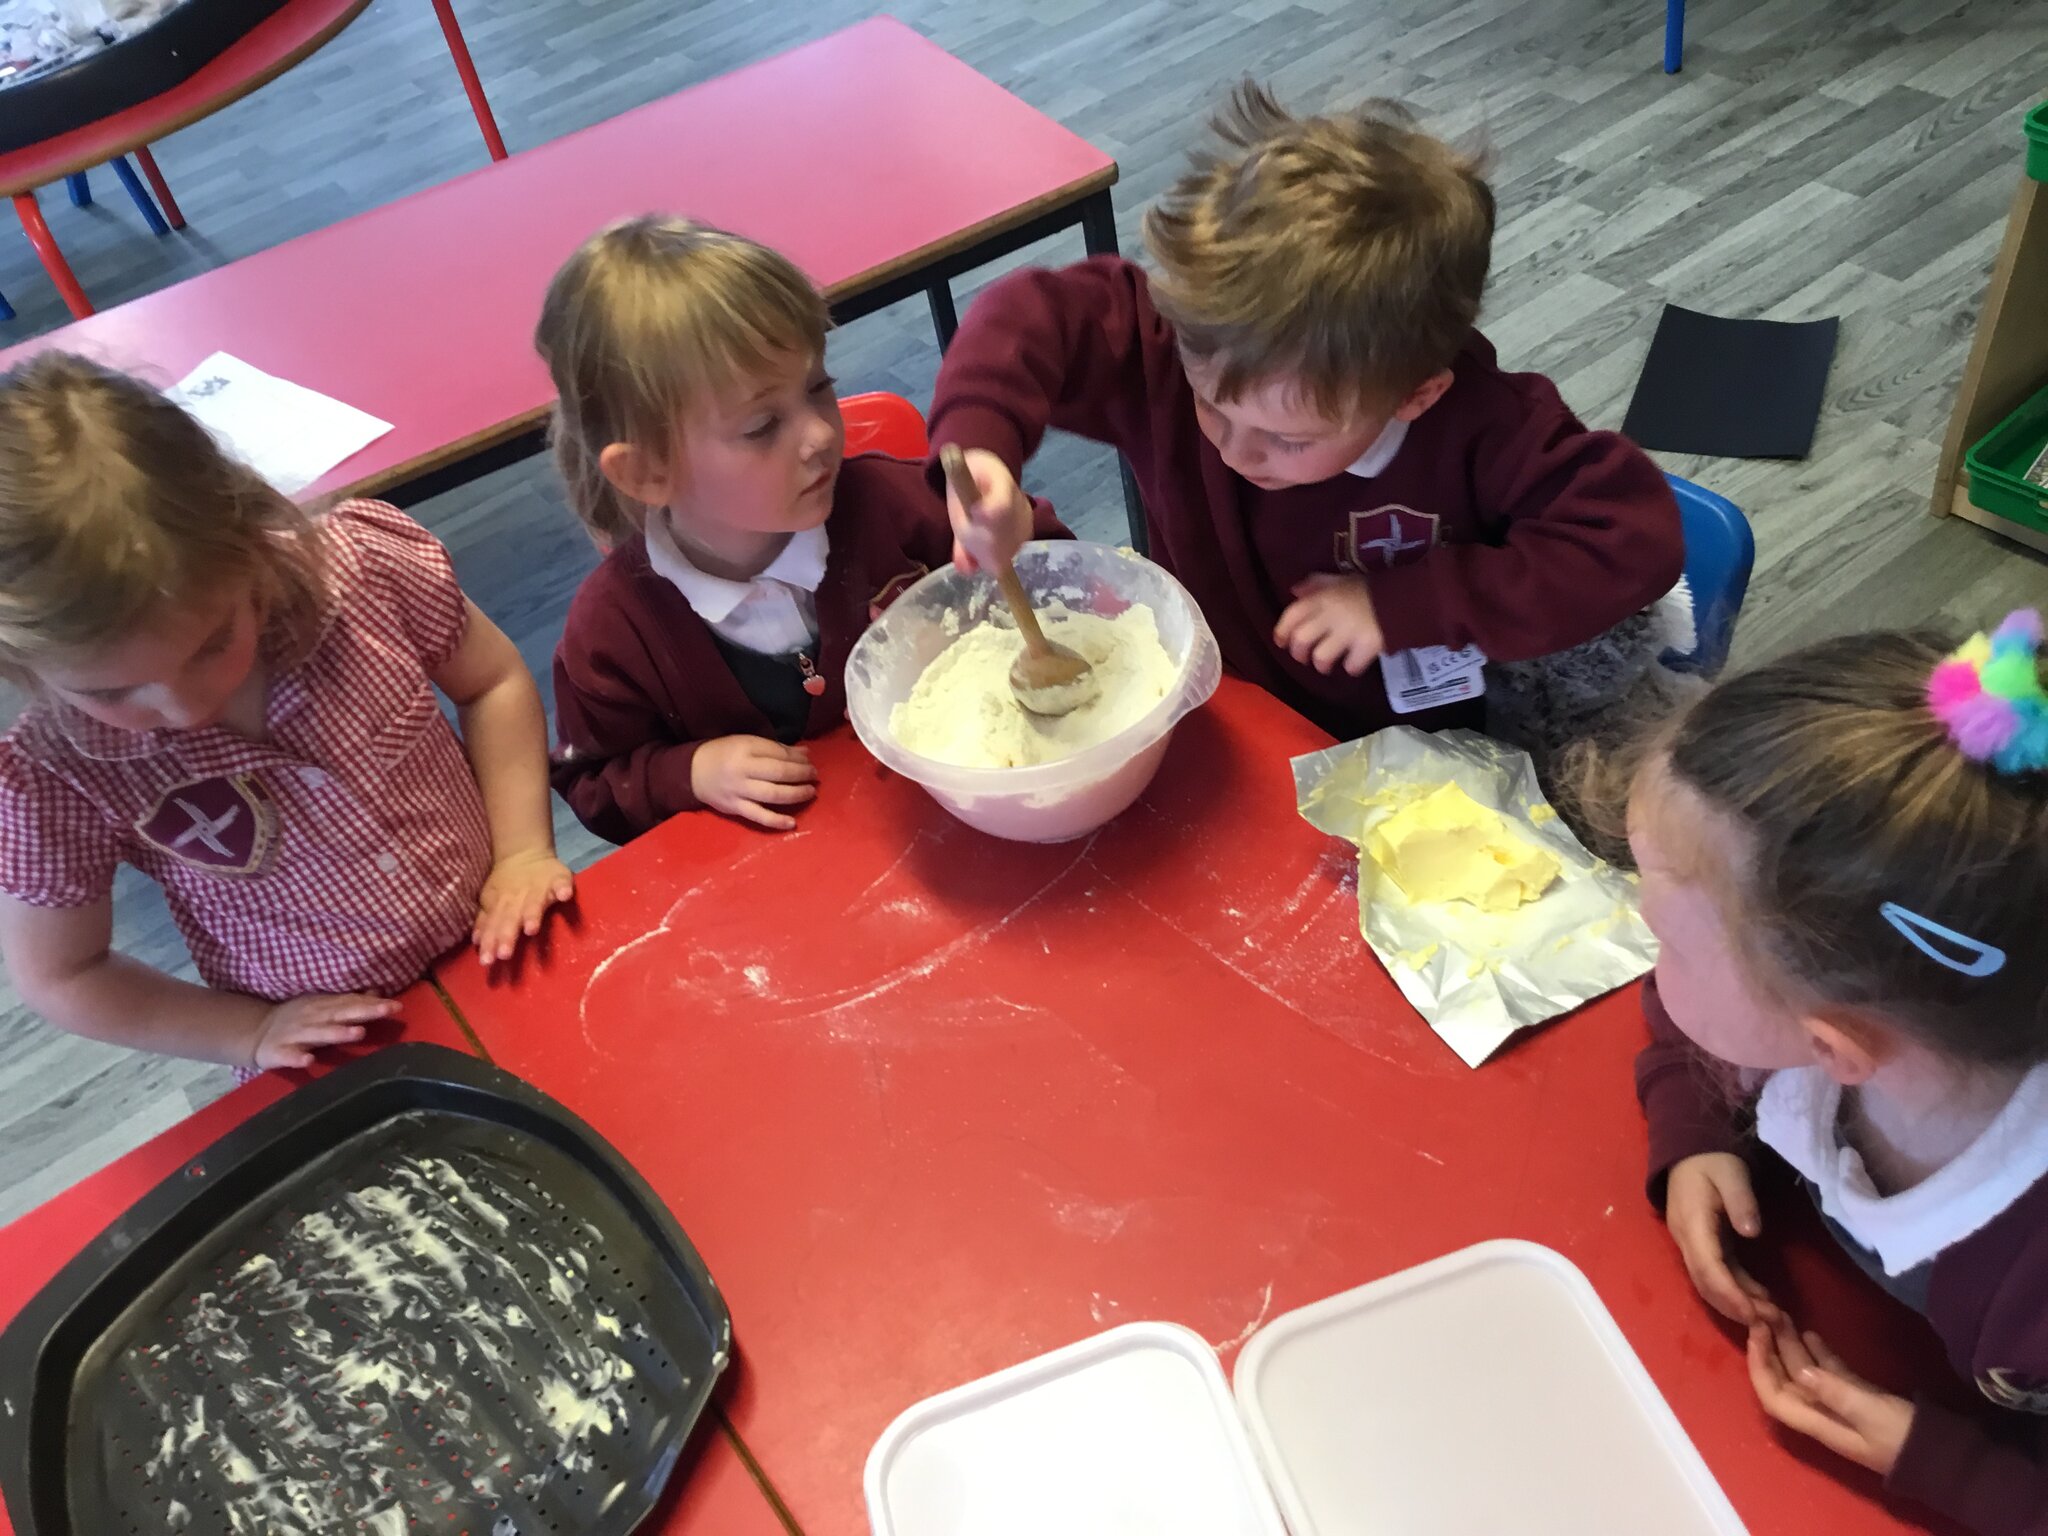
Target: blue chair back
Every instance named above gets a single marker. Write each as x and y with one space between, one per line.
1720 552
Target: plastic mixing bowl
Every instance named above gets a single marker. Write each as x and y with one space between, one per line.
1047 802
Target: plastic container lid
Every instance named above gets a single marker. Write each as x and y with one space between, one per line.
1129 1433
1486 1391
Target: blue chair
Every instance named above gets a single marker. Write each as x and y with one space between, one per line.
1674 35
81 194
1720 552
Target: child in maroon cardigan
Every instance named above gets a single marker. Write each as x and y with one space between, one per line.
1331 459
701 441
1844 857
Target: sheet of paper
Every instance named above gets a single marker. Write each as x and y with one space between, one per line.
288 434
2038 471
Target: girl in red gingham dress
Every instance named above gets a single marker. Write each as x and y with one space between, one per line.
238 700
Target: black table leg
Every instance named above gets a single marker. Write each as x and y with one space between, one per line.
944 320
1098 224
1098 231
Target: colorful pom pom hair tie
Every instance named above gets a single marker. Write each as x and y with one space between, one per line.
1988 694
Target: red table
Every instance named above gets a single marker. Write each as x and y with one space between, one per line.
281 40
930 1104
717 1496
878 162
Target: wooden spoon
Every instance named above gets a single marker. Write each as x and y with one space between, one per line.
1047 678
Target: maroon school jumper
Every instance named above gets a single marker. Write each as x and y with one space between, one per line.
640 683
1501 522
1987 1298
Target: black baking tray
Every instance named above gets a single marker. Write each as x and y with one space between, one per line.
415 1295
43 103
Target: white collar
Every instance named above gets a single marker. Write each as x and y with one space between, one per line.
801 564
1376 458
1797 1117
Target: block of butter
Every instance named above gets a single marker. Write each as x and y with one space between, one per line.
1446 846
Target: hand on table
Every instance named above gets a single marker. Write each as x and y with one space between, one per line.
292 1031
998 524
1806 1386
1700 1193
752 778
515 897
1330 622
1801 1382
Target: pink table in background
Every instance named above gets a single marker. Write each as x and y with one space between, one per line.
930 1104
877 161
714 1494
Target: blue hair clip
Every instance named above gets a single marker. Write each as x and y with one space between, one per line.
1977 958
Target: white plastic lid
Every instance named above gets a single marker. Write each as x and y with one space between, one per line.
1129 1433
1486 1391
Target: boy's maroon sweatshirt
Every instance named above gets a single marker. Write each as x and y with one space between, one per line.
1501 521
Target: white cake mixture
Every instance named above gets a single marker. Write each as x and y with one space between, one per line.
963 713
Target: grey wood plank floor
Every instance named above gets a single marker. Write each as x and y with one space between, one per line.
1853 157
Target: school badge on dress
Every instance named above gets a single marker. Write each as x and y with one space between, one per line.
225 825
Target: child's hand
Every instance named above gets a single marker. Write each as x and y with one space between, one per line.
1804 1385
1331 620
291 1032
749 776
997 525
515 897
1701 1191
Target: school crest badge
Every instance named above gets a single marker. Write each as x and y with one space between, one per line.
1384 537
225 825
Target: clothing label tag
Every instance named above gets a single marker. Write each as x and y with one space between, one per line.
1432 675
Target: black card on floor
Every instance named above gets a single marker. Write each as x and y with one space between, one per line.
1740 389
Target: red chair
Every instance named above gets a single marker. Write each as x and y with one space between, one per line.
296 30
879 422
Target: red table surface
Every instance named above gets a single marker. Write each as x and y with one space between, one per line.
848 154
270 47
714 1496
930 1104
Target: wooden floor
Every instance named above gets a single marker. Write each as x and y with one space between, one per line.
1851 157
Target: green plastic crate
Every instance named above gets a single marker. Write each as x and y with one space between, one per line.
2037 142
1999 461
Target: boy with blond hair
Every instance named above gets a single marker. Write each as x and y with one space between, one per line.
1332 460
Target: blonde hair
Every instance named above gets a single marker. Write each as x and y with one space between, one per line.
114 501
651 317
1349 251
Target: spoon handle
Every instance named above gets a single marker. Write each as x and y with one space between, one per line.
961 479
1020 606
